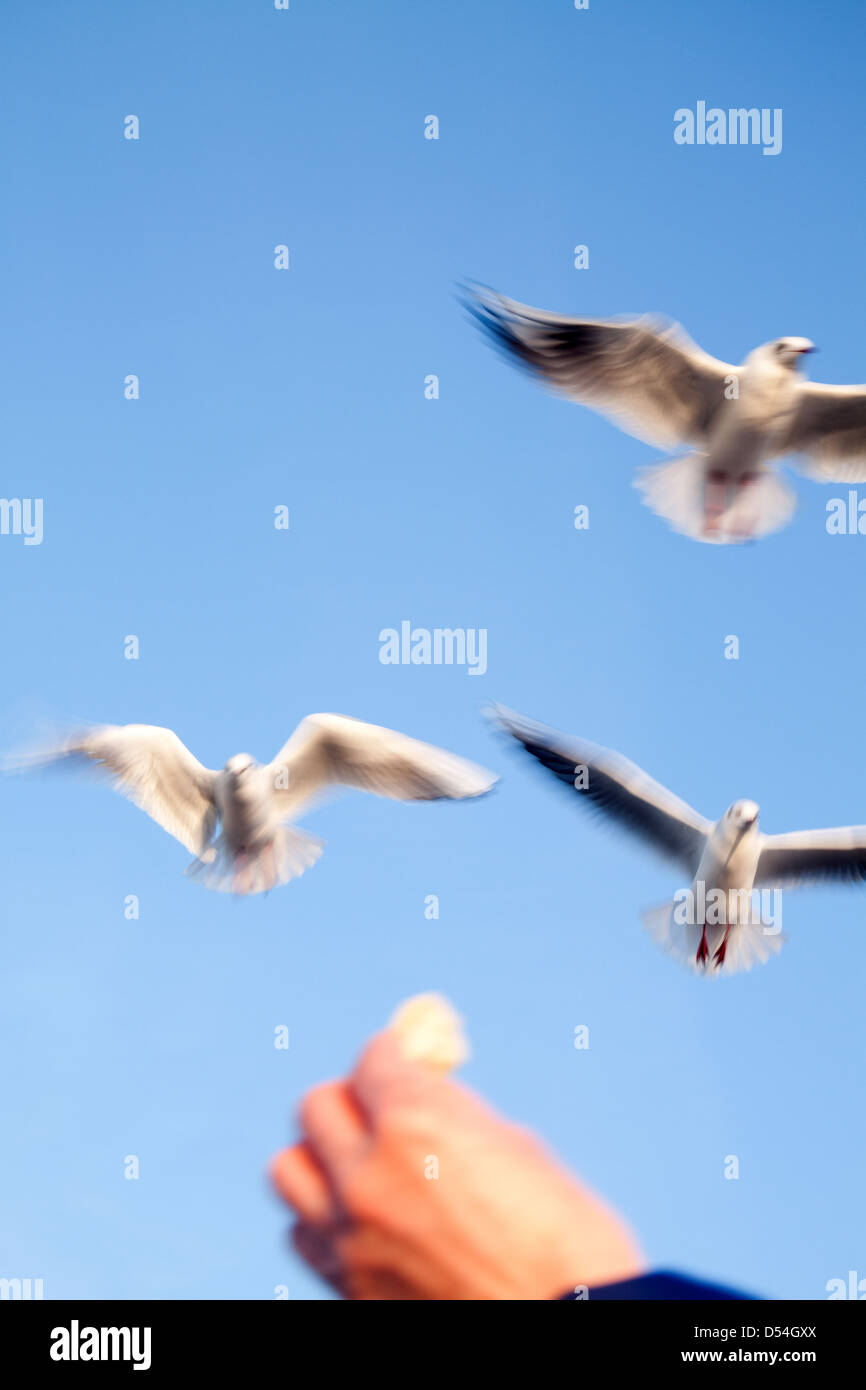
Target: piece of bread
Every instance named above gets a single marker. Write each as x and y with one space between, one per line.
431 1031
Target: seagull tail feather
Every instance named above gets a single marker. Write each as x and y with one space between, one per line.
737 510
286 857
748 942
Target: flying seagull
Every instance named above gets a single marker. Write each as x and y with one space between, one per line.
251 801
651 379
714 925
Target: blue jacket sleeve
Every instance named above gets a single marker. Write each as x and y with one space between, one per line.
658 1286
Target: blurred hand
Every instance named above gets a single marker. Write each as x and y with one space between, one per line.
407 1186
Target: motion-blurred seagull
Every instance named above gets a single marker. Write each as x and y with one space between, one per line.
714 925
659 386
256 849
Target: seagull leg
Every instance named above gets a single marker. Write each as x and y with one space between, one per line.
719 957
241 872
270 859
715 498
703 949
744 482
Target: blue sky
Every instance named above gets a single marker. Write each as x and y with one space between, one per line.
306 388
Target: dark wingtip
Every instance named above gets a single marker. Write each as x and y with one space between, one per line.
475 290
490 312
479 302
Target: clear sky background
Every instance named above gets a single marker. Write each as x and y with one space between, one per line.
306 388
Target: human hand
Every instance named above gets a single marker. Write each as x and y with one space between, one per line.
407 1186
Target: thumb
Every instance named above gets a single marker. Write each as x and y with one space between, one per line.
385 1077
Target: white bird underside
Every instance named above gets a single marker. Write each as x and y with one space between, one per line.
655 383
256 849
711 950
609 783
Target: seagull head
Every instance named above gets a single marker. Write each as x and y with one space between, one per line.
239 765
743 814
789 352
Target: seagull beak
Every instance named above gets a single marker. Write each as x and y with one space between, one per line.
812 348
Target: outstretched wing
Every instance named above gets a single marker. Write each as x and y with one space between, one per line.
646 375
154 770
611 784
829 427
810 856
328 750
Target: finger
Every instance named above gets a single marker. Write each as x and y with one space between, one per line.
335 1130
374 1266
384 1076
300 1181
317 1250
385 1080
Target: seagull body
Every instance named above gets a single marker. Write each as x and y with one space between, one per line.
662 388
713 925
251 802
249 816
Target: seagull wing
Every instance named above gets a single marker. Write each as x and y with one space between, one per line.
616 787
152 768
328 750
829 427
810 856
646 375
